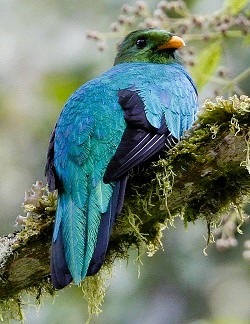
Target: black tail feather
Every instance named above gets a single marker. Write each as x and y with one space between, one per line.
106 225
60 274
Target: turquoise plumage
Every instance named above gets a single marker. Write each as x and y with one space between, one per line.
90 151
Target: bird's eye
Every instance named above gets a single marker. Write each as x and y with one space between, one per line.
141 43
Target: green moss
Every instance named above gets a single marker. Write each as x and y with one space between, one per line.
39 206
12 308
94 289
220 185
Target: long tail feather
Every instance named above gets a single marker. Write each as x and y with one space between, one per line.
106 225
60 274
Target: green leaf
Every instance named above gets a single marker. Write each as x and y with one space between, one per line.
234 6
207 62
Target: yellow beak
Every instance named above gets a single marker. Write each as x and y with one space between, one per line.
174 42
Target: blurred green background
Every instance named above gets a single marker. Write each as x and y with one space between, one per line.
44 57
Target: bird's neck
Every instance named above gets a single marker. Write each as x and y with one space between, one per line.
158 58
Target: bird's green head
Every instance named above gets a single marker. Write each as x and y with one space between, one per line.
149 45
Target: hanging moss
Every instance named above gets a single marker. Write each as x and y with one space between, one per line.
11 307
94 289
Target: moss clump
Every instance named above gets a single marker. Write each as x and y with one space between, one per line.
26 271
216 145
39 206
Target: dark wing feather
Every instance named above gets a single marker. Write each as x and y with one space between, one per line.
140 140
50 168
60 274
106 225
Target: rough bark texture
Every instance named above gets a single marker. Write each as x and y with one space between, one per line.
208 170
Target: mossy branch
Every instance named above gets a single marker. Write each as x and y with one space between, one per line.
201 177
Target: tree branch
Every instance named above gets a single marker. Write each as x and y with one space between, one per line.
205 173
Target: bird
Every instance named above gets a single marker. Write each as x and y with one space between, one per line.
142 105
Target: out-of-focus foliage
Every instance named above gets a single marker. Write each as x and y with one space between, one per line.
44 56
234 6
207 62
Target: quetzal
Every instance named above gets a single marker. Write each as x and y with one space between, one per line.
140 106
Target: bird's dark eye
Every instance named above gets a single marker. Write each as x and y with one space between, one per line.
141 43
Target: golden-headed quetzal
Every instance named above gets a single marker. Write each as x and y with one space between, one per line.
142 105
